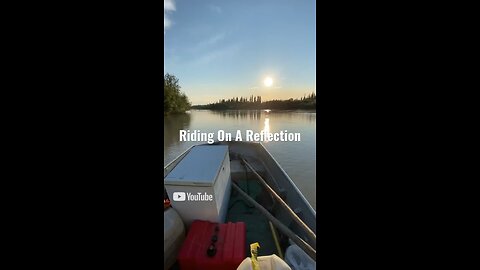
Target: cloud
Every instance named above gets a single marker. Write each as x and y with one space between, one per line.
212 40
216 9
207 43
215 55
168 7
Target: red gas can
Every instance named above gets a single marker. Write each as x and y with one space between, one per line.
213 246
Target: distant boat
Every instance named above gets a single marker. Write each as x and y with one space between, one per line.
263 196
267 110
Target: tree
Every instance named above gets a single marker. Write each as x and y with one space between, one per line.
174 101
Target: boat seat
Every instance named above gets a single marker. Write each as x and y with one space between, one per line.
299 212
237 171
236 166
283 194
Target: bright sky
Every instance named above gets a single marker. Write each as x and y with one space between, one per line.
231 48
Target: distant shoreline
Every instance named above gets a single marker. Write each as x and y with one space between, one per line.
255 103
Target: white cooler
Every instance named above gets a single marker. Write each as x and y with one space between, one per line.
206 170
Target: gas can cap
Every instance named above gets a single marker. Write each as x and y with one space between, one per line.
211 251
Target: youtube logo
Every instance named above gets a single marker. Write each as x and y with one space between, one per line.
179 196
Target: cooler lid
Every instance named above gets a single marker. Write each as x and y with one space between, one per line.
199 167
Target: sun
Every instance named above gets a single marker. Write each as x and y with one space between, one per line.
268 81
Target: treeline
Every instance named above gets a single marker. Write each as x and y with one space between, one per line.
174 101
308 102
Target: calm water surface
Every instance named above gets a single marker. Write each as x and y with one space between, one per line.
296 158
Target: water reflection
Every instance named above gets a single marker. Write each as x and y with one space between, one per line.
172 126
308 116
266 126
239 114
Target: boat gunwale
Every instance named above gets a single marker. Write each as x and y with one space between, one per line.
166 168
290 180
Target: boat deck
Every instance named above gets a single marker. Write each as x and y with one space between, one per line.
258 228
257 225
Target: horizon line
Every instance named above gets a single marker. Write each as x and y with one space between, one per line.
314 92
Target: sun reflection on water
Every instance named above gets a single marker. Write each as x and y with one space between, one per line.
266 127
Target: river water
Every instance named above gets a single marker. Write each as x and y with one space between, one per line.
296 158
